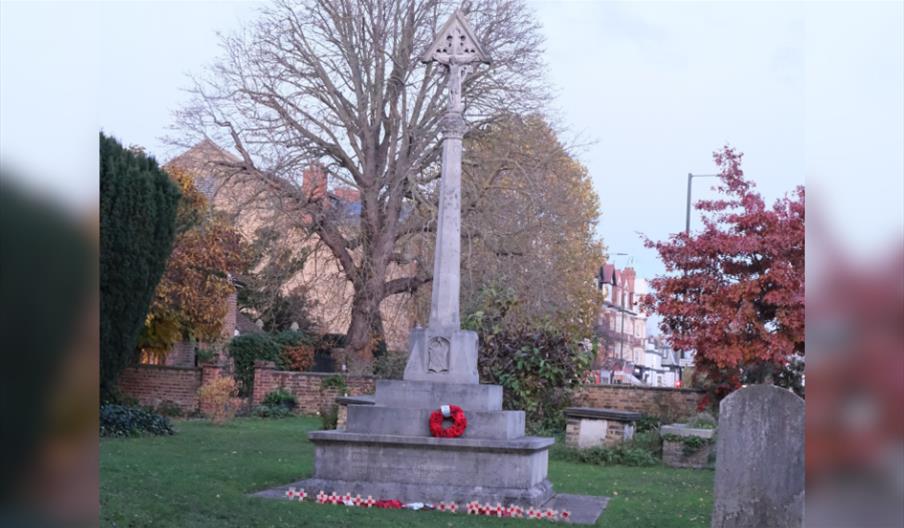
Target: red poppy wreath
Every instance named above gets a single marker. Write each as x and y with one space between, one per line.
450 412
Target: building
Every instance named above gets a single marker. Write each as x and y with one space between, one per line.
252 205
661 367
621 324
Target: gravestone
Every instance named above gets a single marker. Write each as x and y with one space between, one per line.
760 459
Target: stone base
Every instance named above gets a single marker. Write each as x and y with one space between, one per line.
387 451
427 469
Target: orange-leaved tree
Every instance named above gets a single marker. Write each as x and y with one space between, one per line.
190 300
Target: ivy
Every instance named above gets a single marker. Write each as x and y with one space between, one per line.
334 381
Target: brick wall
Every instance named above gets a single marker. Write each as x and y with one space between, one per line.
306 386
663 402
151 385
181 355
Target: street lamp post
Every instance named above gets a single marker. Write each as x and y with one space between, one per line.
687 218
621 308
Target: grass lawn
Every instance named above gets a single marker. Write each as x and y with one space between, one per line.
200 477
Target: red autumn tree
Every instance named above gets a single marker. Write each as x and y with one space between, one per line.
734 293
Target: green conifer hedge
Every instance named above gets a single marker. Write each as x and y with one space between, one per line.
137 225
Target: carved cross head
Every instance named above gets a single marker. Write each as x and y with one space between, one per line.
456 44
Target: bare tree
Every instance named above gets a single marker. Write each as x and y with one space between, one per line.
337 82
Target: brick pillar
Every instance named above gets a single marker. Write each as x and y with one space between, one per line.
263 380
210 372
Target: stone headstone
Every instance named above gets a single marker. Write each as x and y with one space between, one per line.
760 459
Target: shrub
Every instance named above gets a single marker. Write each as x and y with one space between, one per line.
276 404
204 355
336 381
280 398
299 357
329 415
272 411
689 444
630 455
540 367
647 423
289 338
649 441
625 454
246 349
126 400
169 408
539 370
217 398
702 421
123 421
390 365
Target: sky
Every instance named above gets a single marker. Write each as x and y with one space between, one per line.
810 92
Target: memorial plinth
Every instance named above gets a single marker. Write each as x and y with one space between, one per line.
387 450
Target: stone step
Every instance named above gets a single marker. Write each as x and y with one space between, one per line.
526 444
416 422
430 395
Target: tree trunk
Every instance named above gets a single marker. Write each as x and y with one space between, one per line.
358 338
366 327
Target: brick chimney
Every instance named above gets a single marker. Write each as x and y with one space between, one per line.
314 182
628 276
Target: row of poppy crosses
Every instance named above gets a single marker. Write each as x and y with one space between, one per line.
472 508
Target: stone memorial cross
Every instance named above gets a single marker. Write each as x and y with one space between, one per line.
443 352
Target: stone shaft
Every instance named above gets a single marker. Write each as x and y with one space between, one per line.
444 308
